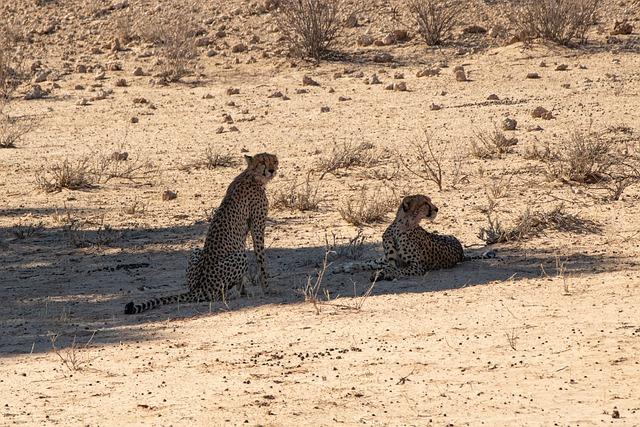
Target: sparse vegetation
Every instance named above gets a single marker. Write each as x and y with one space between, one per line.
72 356
353 248
560 21
301 197
23 231
491 144
435 18
367 208
12 130
12 72
348 155
85 233
71 175
310 27
426 162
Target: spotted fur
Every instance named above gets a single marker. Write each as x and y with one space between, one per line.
222 263
409 249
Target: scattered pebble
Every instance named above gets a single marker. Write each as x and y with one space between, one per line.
428 72
169 195
509 124
542 113
308 81
240 47
493 97
233 91
562 67
325 109
138 72
533 75
35 92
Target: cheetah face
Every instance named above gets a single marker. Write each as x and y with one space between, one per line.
263 165
416 208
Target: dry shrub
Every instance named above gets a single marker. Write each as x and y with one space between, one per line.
71 175
499 187
108 167
310 27
351 248
532 223
86 233
435 18
301 197
12 129
12 72
491 144
559 21
348 155
599 158
174 34
426 160
368 207
22 231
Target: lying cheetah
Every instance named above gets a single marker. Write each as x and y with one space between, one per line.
410 250
222 263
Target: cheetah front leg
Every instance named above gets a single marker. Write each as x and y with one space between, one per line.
257 235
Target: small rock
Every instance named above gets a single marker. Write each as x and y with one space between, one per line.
35 66
389 86
115 45
300 91
207 96
542 113
226 118
382 57
119 156
615 413
562 67
276 94
621 28
374 80
240 47
308 81
398 76
325 109
344 98
331 90
78 87
255 39
493 97
169 195
428 72
474 29
203 42
233 91
351 21
435 107
565 85
100 75
114 66
388 40
542 64
400 87
211 53
233 129
509 124
134 120
81 68
534 128
220 129
121 83
400 36
365 40
461 76
221 34
284 98
42 76
82 102
35 92
140 100
533 76
138 72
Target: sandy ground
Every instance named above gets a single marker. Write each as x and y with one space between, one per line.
546 334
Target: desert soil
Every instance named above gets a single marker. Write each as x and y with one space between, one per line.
548 333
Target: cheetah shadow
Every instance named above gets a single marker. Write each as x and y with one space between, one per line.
49 287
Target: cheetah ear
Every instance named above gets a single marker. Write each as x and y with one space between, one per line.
248 159
406 205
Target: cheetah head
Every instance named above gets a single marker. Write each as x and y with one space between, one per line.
264 166
414 209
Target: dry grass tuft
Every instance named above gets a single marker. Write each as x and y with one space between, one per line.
435 18
559 21
492 144
348 155
352 248
12 71
300 197
12 130
71 175
368 207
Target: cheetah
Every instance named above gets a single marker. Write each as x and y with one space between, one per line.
222 263
410 250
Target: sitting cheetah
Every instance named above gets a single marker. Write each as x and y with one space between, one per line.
222 263
410 250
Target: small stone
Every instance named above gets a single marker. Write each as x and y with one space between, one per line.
565 85
400 87
226 118
398 76
221 34
331 90
374 80
344 98
308 81
169 195
276 94
533 75
121 83
382 57
285 97
461 76
233 91
240 47
82 102
100 75
140 100
301 91
119 156
115 45
493 97
41 76
233 129
351 21
255 39
474 29
35 92
325 109
435 107
134 120
615 413
562 67
400 36
78 87
509 124
114 66
365 40
389 86
388 40
621 28
428 72
81 68
211 53
138 72
542 113
220 129
542 64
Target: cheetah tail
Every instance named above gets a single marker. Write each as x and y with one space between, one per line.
133 308
484 255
